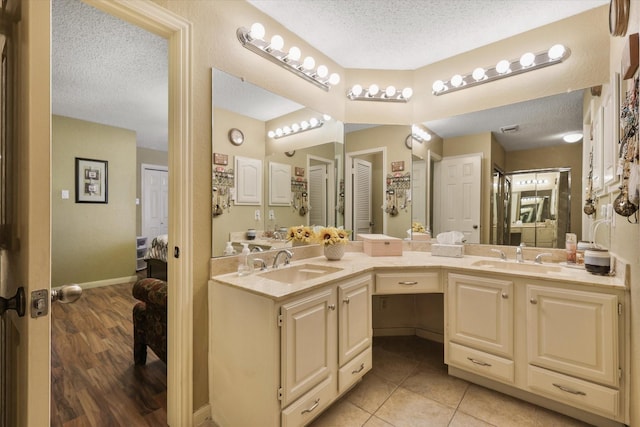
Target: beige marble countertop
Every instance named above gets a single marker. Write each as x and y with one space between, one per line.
354 263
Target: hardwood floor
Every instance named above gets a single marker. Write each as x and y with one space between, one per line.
94 381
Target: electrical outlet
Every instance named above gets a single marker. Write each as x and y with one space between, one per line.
257 215
272 215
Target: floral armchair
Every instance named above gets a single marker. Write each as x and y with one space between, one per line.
150 319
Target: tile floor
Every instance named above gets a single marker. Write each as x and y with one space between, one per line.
409 386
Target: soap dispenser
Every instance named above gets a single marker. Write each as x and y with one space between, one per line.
243 261
228 250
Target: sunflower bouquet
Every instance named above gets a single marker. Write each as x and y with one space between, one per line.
332 236
300 234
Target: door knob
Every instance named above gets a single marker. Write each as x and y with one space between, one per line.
16 302
66 294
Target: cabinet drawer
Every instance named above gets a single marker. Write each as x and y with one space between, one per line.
408 283
481 363
574 392
303 410
354 370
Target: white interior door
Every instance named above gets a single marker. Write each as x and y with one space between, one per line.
362 219
318 184
458 207
155 201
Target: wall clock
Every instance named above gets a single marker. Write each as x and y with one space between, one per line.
409 141
618 17
236 136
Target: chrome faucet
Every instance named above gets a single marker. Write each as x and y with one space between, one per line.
256 249
260 261
503 257
519 257
538 259
288 254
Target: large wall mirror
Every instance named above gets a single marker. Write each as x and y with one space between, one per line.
266 182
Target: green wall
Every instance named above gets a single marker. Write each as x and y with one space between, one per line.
93 242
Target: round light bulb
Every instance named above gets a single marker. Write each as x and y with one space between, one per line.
373 90
322 71
334 78
304 125
309 63
556 52
407 93
572 137
295 127
294 54
478 74
527 59
313 122
356 90
502 67
326 117
277 42
271 134
438 86
456 80
286 130
390 91
257 31
279 132
427 136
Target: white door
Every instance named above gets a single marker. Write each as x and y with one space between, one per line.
155 201
458 207
362 218
318 195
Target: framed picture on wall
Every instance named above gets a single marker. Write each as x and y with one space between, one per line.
91 181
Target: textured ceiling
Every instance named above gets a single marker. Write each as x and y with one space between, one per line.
107 71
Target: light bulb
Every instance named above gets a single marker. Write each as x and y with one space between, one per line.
326 117
356 90
334 79
527 59
279 132
271 134
257 31
295 127
286 130
304 125
407 93
502 67
277 42
427 136
438 86
309 63
572 137
294 54
373 90
456 80
390 91
322 71
478 74
313 122
556 52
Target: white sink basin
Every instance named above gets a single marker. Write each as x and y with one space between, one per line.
516 266
299 273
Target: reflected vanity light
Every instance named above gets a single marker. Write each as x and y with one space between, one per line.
504 68
296 128
572 137
373 93
532 181
420 134
253 39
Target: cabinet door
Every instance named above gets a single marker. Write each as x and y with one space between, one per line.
480 313
574 332
308 343
354 318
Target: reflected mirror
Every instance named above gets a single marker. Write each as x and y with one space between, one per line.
265 182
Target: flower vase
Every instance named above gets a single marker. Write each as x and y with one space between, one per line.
334 252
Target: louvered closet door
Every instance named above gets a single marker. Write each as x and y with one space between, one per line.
318 195
362 218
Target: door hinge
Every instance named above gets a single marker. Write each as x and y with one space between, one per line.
280 319
280 391
619 308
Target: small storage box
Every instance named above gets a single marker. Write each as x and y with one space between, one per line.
454 251
381 245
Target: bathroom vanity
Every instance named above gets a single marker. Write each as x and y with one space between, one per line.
285 344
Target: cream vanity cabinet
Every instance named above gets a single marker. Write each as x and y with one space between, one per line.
281 363
480 325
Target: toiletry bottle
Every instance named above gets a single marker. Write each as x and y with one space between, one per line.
571 247
228 250
243 261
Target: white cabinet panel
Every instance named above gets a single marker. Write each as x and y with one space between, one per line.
279 184
248 177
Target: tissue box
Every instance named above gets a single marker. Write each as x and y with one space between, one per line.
381 245
454 251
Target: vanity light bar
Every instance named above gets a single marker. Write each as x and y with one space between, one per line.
504 68
296 128
420 134
373 93
532 181
253 39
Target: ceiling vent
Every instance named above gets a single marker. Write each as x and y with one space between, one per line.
509 129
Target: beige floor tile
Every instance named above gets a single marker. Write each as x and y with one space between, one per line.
377 422
437 385
408 409
497 408
391 366
460 419
548 418
342 414
371 392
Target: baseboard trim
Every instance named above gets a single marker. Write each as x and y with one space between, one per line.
430 335
108 282
202 415
393 332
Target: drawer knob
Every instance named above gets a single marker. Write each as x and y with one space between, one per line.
331 306
569 390
315 405
533 301
346 300
505 295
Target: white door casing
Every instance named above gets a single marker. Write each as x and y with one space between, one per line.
155 201
419 185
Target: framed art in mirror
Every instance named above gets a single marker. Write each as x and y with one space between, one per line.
91 181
